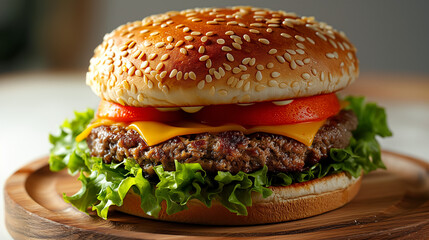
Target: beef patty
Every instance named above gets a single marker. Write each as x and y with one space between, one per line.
224 151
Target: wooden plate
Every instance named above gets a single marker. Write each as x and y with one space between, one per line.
391 203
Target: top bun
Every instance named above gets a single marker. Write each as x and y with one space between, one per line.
211 56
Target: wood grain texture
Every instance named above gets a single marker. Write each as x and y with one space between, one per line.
392 203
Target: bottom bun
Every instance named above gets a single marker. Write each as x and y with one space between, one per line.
296 201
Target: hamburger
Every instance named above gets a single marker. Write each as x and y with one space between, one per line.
223 116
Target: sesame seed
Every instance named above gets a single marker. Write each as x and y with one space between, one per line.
242 67
314 71
269 30
132 44
237 39
252 62
208 63
159 44
322 76
230 57
196 33
230 80
299 62
287 57
285 35
186 29
138 73
260 67
123 48
209 34
180 26
341 46
179 43
204 58
275 74
270 65
196 20
201 49
144 64
306 60
189 38
299 38
144 31
258 75
221 71
209 78
300 51
220 41
232 23
240 84
333 43
245 76
226 49
245 61
350 55
311 40
154 33
254 31
179 75
280 59
219 20
330 55
192 76
159 66
342 64
183 51
247 86
150 84
189 46
272 83
242 25
212 90
347 46
256 25
293 65
217 75
305 76
173 73
147 43
260 87
273 25
131 70
264 41
272 51
236 70
320 35
163 74
300 45
229 33
165 57
227 66
290 51
169 47
186 75
212 23
246 37
223 92
201 84
236 45
152 56
204 39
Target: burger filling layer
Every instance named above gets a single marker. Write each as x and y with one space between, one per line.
230 151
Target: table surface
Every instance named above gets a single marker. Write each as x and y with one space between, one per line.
34 104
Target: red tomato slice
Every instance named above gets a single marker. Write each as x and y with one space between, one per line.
306 109
119 113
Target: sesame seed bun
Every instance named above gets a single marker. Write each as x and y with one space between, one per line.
212 56
292 202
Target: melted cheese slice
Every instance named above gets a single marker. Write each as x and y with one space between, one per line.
156 132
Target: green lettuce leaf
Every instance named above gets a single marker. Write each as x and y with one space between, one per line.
106 185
